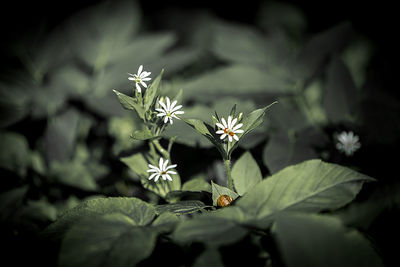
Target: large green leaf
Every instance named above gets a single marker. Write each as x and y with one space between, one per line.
139 211
197 184
245 173
218 191
108 240
315 240
208 229
165 222
310 186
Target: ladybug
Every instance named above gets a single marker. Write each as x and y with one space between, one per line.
224 200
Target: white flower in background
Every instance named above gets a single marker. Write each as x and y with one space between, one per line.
169 110
229 129
348 143
162 171
140 78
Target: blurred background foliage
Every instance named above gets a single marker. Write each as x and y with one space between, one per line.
63 130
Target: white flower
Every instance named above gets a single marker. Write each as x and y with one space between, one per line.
229 129
162 171
348 143
140 78
169 111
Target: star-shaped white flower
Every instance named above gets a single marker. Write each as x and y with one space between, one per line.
348 143
169 110
229 129
162 171
140 78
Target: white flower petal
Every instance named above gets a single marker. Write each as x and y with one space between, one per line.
157 177
236 137
164 176
230 138
223 136
153 175
165 165
220 125
173 105
176 108
140 70
171 172
179 112
131 78
237 126
233 122
229 122
220 132
163 105
146 79
144 85
168 104
153 170
168 177
171 121
160 163
224 123
166 119
238 131
161 114
138 88
171 167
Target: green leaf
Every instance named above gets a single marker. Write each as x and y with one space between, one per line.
14 152
208 229
130 103
218 190
285 149
144 134
73 173
254 119
139 211
182 207
11 202
108 240
137 163
60 136
315 240
152 91
340 93
166 222
197 184
310 186
245 173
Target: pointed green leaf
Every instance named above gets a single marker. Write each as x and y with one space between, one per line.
107 240
197 184
139 211
129 103
310 186
315 240
144 134
152 91
245 173
137 163
218 190
254 119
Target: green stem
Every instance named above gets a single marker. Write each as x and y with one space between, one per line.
160 149
228 173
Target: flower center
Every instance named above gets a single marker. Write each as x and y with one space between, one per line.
226 130
137 79
163 172
168 114
231 133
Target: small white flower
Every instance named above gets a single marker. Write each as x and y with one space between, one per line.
162 171
348 143
169 110
140 78
229 129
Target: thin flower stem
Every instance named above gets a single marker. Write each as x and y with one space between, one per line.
160 149
228 173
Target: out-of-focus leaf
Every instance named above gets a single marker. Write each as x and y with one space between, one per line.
236 80
340 93
316 240
165 222
285 149
319 48
310 186
197 184
137 163
111 239
144 134
73 173
218 191
11 202
40 210
287 116
60 136
139 211
121 128
14 152
208 229
13 105
209 257
245 173
182 207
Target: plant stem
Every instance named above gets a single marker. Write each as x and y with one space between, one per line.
228 173
160 149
